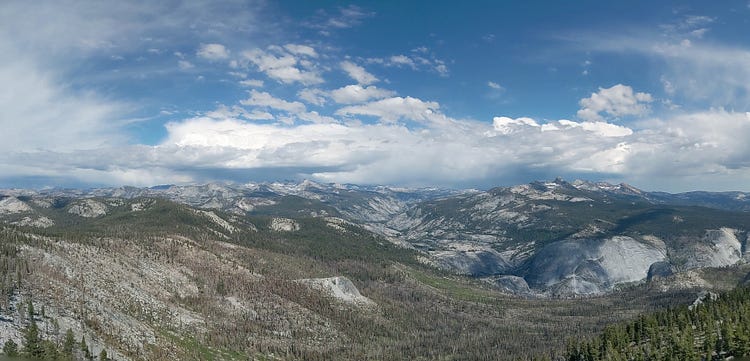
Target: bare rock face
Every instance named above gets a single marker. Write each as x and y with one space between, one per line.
474 261
39 222
340 288
510 284
660 270
88 208
283 225
592 266
13 205
717 248
218 221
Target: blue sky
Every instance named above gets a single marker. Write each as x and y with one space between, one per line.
431 93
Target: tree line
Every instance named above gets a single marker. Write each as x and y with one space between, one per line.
715 328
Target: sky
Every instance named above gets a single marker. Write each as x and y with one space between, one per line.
408 93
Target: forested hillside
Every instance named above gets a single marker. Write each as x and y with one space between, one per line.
713 328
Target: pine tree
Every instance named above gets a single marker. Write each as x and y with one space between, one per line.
49 350
103 355
10 348
85 348
69 342
32 346
30 309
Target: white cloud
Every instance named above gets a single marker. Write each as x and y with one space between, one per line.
689 25
352 94
494 85
715 74
399 60
315 117
442 153
223 112
184 65
358 73
52 126
264 99
394 109
506 125
257 115
284 66
700 150
301 50
601 128
347 17
41 114
416 62
213 51
705 73
617 101
253 83
441 69
313 96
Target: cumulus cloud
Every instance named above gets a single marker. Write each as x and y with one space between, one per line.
617 101
53 127
253 83
315 117
352 94
284 66
358 73
494 85
313 96
213 51
449 152
506 125
601 128
264 99
401 60
699 150
394 109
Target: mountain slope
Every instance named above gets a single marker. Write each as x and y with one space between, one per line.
148 279
543 238
571 238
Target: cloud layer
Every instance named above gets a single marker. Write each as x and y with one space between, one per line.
309 108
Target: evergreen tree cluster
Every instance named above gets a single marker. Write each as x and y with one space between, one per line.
712 330
36 347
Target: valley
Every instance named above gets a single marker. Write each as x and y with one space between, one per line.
325 271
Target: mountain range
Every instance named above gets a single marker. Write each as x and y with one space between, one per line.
303 270
553 238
